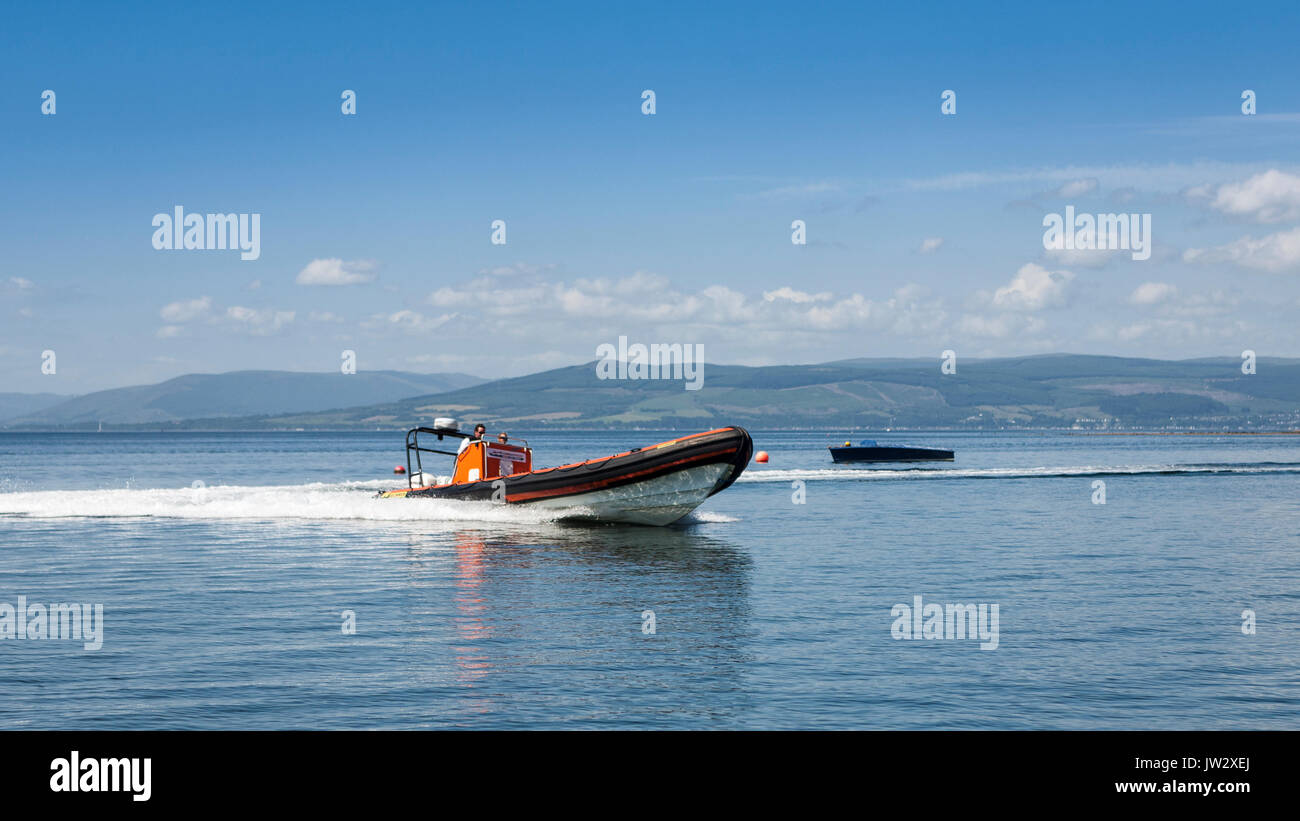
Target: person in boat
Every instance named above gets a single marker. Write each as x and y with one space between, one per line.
503 438
479 431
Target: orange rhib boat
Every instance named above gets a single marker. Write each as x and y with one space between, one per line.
654 485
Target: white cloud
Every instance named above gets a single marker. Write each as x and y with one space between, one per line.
1170 176
324 316
788 293
185 310
535 308
1175 309
1179 333
1033 287
21 283
1137 330
1273 196
1077 188
930 244
1274 253
514 269
1200 306
450 296
1123 196
408 321
800 190
169 331
336 272
259 322
1152 293
1082 257
1000 326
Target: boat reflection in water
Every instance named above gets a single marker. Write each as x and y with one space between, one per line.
549 621
471 663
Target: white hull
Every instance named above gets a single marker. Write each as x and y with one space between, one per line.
659 501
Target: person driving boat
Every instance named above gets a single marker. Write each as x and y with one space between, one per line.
479 430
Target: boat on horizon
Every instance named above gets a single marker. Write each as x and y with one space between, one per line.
870 451
653 485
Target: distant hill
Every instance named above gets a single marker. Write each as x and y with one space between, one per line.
1058 390
236 394
21 404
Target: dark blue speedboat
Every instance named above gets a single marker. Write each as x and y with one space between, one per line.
869 451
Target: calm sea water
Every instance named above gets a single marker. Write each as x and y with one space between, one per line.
223 602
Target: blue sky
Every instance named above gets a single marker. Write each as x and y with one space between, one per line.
666 228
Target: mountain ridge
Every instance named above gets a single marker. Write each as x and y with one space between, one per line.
235 394
1047 390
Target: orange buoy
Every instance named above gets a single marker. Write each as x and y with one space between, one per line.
761 456
399 469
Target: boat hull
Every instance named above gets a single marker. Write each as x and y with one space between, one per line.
655 485
659 501
888 454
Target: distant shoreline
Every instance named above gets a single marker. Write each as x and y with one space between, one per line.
832 432
1190 433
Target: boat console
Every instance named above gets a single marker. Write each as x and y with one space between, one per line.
477 459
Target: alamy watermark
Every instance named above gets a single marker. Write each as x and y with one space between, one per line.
179 231
946 621
74 622
948 362
1100 232
77 774
655 361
